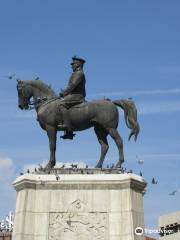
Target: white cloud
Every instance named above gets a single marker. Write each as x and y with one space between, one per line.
7 175
26 115
158 107
163 155
149 107
155 156
6 169
5 163
15 115
139 92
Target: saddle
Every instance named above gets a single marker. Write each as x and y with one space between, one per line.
80 105
74 104
65 123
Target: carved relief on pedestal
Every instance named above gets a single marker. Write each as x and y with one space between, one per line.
78 224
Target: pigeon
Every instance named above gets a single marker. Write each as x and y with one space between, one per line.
140 173
173 193
112 166
28 171
21 173
144 191
140 161
57 177
74 165
40 167
10 76
154 181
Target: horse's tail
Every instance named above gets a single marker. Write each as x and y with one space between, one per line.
130 115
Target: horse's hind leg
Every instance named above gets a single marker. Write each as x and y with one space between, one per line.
51 132
102 138
119 142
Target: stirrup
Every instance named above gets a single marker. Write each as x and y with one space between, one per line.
68 135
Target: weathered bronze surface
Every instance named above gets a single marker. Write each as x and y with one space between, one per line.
70 112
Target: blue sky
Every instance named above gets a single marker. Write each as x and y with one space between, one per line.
131 48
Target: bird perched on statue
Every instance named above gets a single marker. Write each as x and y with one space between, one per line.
57 177
40 167
74 165
112 166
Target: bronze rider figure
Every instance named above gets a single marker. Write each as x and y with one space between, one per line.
73 94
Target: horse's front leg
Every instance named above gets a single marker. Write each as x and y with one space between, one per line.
51 132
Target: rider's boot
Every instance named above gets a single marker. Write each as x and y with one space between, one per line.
68 134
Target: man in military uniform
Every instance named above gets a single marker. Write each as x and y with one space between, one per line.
74 94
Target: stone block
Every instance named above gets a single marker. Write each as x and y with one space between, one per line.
78 207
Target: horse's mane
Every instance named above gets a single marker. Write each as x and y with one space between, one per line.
42 86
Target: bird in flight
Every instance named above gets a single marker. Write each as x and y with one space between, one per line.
10 76
140 161
154 181
173 193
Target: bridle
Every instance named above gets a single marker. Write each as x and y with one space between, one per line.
32 104
22 95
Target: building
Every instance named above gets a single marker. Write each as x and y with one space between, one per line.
149 238
5 235
169 226
6 225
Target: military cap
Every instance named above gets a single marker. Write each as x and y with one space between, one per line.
77 59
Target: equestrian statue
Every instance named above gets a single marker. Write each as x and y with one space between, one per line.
70 112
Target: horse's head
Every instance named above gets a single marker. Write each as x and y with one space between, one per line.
24 94
32 88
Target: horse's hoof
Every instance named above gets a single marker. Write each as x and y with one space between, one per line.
50 165
118 165
98 166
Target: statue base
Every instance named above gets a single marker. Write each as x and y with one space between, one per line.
79 206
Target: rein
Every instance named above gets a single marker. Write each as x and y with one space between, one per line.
41 102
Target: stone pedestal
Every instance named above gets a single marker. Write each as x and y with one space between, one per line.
78 207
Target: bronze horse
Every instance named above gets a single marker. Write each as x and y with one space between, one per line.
100 114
